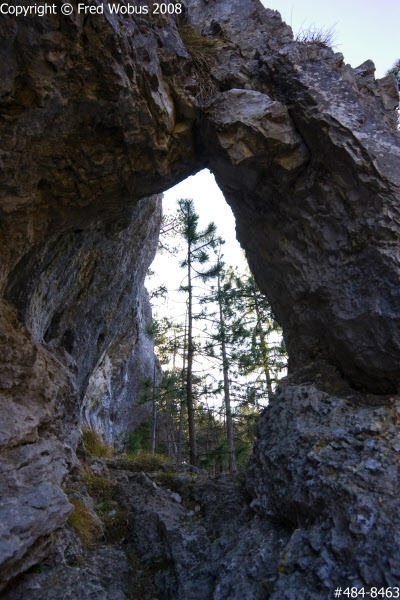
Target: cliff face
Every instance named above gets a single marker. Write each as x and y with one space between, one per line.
78 360
100 114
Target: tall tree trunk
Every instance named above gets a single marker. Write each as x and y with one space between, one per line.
182 409
264 353
153 433
174 354
225 368
189 381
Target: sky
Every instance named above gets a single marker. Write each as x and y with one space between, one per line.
211 206
363 28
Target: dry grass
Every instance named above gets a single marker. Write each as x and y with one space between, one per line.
324 38
85 524
99 487
95 445
202 53
144 461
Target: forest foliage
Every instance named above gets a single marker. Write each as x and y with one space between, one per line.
221 358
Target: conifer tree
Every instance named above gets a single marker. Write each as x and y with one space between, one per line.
197 244
262 349
222 297
182 403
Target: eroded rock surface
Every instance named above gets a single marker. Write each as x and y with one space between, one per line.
307 154
102 113
322 497
326 466
198 540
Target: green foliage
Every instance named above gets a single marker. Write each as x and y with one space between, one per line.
260 351
197 241
228 309
99 486
114 522
115 526
167 337
395 70
143 573
138 440
170 231
94 444
160 292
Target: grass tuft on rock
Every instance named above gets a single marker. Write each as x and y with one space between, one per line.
202 53
99 487
324 38
115 526
95 445
85 524
146 462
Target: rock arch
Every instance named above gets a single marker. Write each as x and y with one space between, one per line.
100 116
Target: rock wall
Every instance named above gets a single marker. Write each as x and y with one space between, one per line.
112 403
325 467
101 113
84 349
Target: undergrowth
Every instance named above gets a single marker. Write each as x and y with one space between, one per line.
202 53
95 445
99 487
115 526
115 523
171 480
143 573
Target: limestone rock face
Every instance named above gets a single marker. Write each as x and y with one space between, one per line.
325 467
81 296
100 114
96 578
211 544
110 405
320 203
38 436
316 211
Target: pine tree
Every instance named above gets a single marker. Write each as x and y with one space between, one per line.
261 350
182 403
197 244
167 396
222 297
395 70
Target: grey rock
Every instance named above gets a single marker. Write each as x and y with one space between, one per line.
297 175
224 551
306 151
94 579
176 497
343 504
